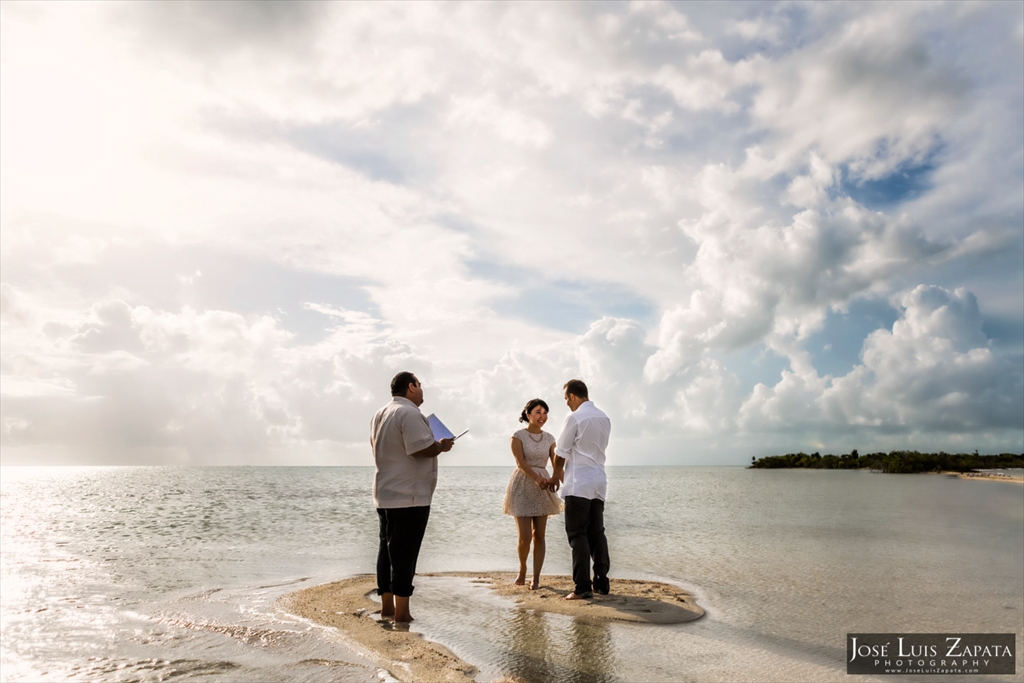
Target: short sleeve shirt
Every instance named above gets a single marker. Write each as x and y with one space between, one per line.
582 443
400 481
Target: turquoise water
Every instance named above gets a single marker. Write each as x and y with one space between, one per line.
147 574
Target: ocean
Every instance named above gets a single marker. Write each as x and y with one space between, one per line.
152 574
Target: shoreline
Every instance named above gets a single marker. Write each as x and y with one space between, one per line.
349 606
979 476
985 476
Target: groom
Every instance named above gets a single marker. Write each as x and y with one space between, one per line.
580 452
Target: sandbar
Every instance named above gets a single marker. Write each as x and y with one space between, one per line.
986 476
648 602
351 607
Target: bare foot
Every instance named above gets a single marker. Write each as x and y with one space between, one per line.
582 596
402 615
521 581
535 585
387 606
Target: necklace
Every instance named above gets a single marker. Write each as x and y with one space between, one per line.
541 435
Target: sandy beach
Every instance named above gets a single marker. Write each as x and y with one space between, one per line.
351 607
986 476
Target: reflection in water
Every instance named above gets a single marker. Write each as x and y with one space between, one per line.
593 656
529 642
579 651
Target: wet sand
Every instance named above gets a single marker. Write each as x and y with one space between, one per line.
352 607
647 602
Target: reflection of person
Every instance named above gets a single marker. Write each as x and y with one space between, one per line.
580 450
529 497
405 455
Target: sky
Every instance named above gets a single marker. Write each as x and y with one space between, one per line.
750 228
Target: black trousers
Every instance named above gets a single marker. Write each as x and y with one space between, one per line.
584 525
401 534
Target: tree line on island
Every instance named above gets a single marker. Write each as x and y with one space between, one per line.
893 462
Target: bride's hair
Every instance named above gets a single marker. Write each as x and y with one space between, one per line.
530 405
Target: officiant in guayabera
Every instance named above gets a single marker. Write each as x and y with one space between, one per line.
405 457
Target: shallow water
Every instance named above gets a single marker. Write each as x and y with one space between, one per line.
153 573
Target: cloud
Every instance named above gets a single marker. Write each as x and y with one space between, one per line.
226 225
192 387
508 123
934 371
870 97
215 29
756 277
760 29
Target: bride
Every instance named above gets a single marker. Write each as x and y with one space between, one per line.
530 494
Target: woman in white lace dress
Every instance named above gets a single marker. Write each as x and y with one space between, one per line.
530 496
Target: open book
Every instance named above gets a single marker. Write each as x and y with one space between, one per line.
440 431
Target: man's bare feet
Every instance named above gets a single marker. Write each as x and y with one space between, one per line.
580 596
402 615
387 606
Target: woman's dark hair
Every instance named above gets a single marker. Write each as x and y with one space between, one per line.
400 384
530 405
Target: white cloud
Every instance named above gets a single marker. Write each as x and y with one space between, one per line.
932 375
193 386
700 177
874 96
508 123
759 274
757 29
705 82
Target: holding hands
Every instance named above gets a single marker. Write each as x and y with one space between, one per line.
551 484
548 484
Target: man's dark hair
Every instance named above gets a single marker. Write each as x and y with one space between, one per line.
400 384
576 387
530 405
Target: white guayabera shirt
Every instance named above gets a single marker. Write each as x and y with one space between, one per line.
396 431
582 443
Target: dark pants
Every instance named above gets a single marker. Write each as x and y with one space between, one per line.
584 525
401 533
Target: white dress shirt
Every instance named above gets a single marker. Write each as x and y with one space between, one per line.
582 443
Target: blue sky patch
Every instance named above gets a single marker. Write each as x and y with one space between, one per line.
565 305
836 348
908 181
1004 331
753 365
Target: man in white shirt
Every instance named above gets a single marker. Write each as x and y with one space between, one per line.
579 458
405 455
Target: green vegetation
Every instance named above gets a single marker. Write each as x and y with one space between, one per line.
896 462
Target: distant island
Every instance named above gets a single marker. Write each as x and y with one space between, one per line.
893 462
